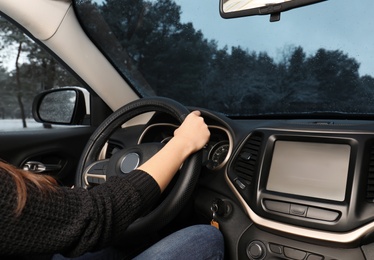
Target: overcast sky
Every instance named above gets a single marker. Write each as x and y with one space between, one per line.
309 27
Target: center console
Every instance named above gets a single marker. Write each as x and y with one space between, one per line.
311 184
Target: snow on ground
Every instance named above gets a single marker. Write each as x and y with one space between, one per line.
16 124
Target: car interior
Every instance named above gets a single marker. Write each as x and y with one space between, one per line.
286 88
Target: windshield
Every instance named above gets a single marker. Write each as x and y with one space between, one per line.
317 59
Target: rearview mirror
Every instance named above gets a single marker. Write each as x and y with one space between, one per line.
239 8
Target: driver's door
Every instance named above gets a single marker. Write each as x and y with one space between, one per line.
24 142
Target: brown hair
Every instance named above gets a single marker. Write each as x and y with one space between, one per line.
21 178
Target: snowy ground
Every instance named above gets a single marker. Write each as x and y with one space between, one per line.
16 124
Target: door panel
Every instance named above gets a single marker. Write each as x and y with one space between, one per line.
58 149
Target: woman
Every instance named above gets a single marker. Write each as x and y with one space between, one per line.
38 217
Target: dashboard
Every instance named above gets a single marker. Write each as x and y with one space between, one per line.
289 189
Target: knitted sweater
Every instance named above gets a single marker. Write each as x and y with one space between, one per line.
72 221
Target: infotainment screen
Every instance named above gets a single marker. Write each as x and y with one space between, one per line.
318 170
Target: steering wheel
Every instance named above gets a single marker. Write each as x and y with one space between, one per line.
129 158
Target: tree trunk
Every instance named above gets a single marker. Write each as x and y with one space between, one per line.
19 89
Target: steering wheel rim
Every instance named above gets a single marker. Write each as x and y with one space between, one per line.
185 183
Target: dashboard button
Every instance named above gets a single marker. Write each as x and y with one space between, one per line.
278 206
256 250
294 253
314 257
298 210
277 249
322 214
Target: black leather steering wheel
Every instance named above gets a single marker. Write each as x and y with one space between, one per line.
127 159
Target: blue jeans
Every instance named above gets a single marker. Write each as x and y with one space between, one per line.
195 242
199 242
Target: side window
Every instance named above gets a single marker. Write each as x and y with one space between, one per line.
25 70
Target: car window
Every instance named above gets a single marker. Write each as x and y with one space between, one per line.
317 60
26 69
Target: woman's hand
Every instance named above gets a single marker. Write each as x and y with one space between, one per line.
190 137
193 131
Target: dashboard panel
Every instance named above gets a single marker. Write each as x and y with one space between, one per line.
291 189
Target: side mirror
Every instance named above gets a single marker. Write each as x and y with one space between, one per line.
239 8
66 106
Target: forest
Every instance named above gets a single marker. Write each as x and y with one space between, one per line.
177 61
25 70
160 55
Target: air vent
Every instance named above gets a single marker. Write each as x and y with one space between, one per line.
370 184
245 166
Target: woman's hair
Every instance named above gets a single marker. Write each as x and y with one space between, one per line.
22 178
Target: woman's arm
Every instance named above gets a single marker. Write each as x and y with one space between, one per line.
74 221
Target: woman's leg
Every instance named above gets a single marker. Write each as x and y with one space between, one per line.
195 242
